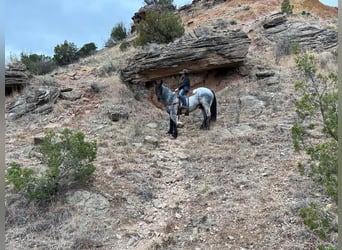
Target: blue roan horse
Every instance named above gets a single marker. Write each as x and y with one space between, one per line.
202 98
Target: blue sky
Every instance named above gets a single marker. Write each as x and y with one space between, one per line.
37 26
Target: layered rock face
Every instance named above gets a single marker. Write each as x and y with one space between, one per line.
307 35
205 48
39 100
16 77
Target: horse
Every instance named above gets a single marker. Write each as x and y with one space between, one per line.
202 98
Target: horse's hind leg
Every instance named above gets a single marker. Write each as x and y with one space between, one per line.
203 125
206 118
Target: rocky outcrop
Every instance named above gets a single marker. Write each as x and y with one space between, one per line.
307 35
274 20
203 49
34 100
16 77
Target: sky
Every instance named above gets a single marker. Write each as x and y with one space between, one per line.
37 26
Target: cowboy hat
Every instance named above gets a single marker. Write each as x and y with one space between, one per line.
184 71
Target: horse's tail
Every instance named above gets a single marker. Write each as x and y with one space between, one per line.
213 109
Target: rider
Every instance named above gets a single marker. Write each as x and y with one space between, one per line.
184 88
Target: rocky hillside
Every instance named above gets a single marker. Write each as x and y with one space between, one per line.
235 186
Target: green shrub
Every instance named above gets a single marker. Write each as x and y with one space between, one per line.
38 64
65 53
315 132
119 32
68 160
317 109
86 50
124 46
286 7
158 27
317 220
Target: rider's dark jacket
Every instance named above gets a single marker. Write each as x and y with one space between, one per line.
185 83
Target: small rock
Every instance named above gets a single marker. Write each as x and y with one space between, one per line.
71 96
157 173
158 204
117 112
151 140
95 87
264 74
152 125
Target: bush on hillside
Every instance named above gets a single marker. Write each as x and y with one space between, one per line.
38 64
124 46
159 27
316 133
286 7
87 50
68 160
65 53
119 32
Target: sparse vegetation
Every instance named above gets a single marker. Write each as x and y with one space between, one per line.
317 114
106 69
38 64
119 32
86 50
158 27
317 220
46 80
286 7
65 53
151 2
285 47
67 158
124 46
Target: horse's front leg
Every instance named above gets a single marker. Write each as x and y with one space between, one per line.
170 127
173 123
173 128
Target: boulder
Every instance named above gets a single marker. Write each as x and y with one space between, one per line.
71 96
33 100
202 49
